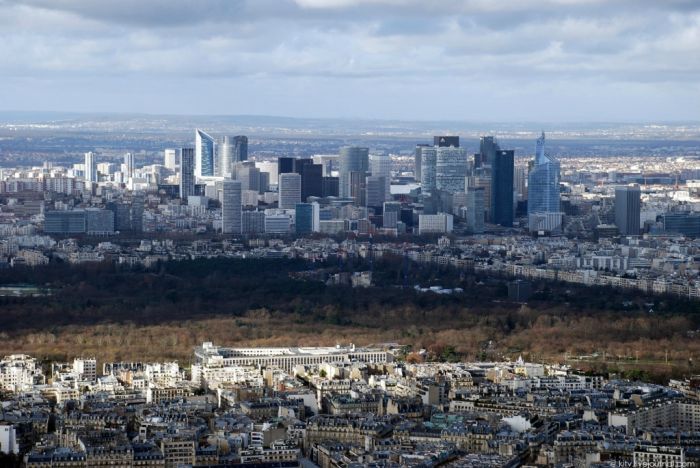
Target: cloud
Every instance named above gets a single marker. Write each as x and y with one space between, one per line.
415 47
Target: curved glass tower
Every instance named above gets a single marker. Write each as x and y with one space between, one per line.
543 205
205 164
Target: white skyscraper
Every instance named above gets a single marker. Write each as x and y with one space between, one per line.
129 165
450 169
204 155
90 167
170 158
231 207
289 188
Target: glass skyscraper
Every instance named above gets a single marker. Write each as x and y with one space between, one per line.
351 159
205 158
543 205
502 188
450 169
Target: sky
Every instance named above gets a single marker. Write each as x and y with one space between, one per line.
468 60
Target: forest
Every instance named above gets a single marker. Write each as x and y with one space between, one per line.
160 314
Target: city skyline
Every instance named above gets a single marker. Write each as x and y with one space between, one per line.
571 61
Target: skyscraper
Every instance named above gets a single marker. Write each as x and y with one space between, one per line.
375 191
170 158
391 214
240 148
129 165
289 188
186 173
311 180
543 205
487 151
90 167
417 166
446 141
285 165
627 209
428 169
307 217
351 159
502 188
450 169
231 207
380 166
475 210
330 187
205 155
226 156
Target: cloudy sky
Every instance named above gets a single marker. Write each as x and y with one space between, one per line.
474 60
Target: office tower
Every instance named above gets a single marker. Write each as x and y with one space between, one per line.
475 210
627 209
205 155
270 167
351 159
248 175
520 181
330 187
277 223
137 206
65 222
391 214
375 187
186 172
459 201
502 188
307 218
543 205
428 169
289 188
253 222
99 222
285 165
231 207
90 167
264 183
358 187
240 148
170 158
446 141
380 166
311 181
487 151
129 165
450 169
417 165
226 156
440 223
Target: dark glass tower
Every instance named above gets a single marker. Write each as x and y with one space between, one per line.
502 188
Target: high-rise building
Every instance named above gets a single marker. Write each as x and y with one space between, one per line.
380 166
358 187
129 165
428 169
351 159
475 210
628 209
450 169
240 148
253 222
375 187
417 164
285 165
543 204
446 141
502 188
289 188
186 172
487 151
226 156
330 187
170 158
248 175
231 207
311 178
205 155
391 214
90 167
307 218
440 223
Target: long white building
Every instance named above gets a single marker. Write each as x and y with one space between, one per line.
209 355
